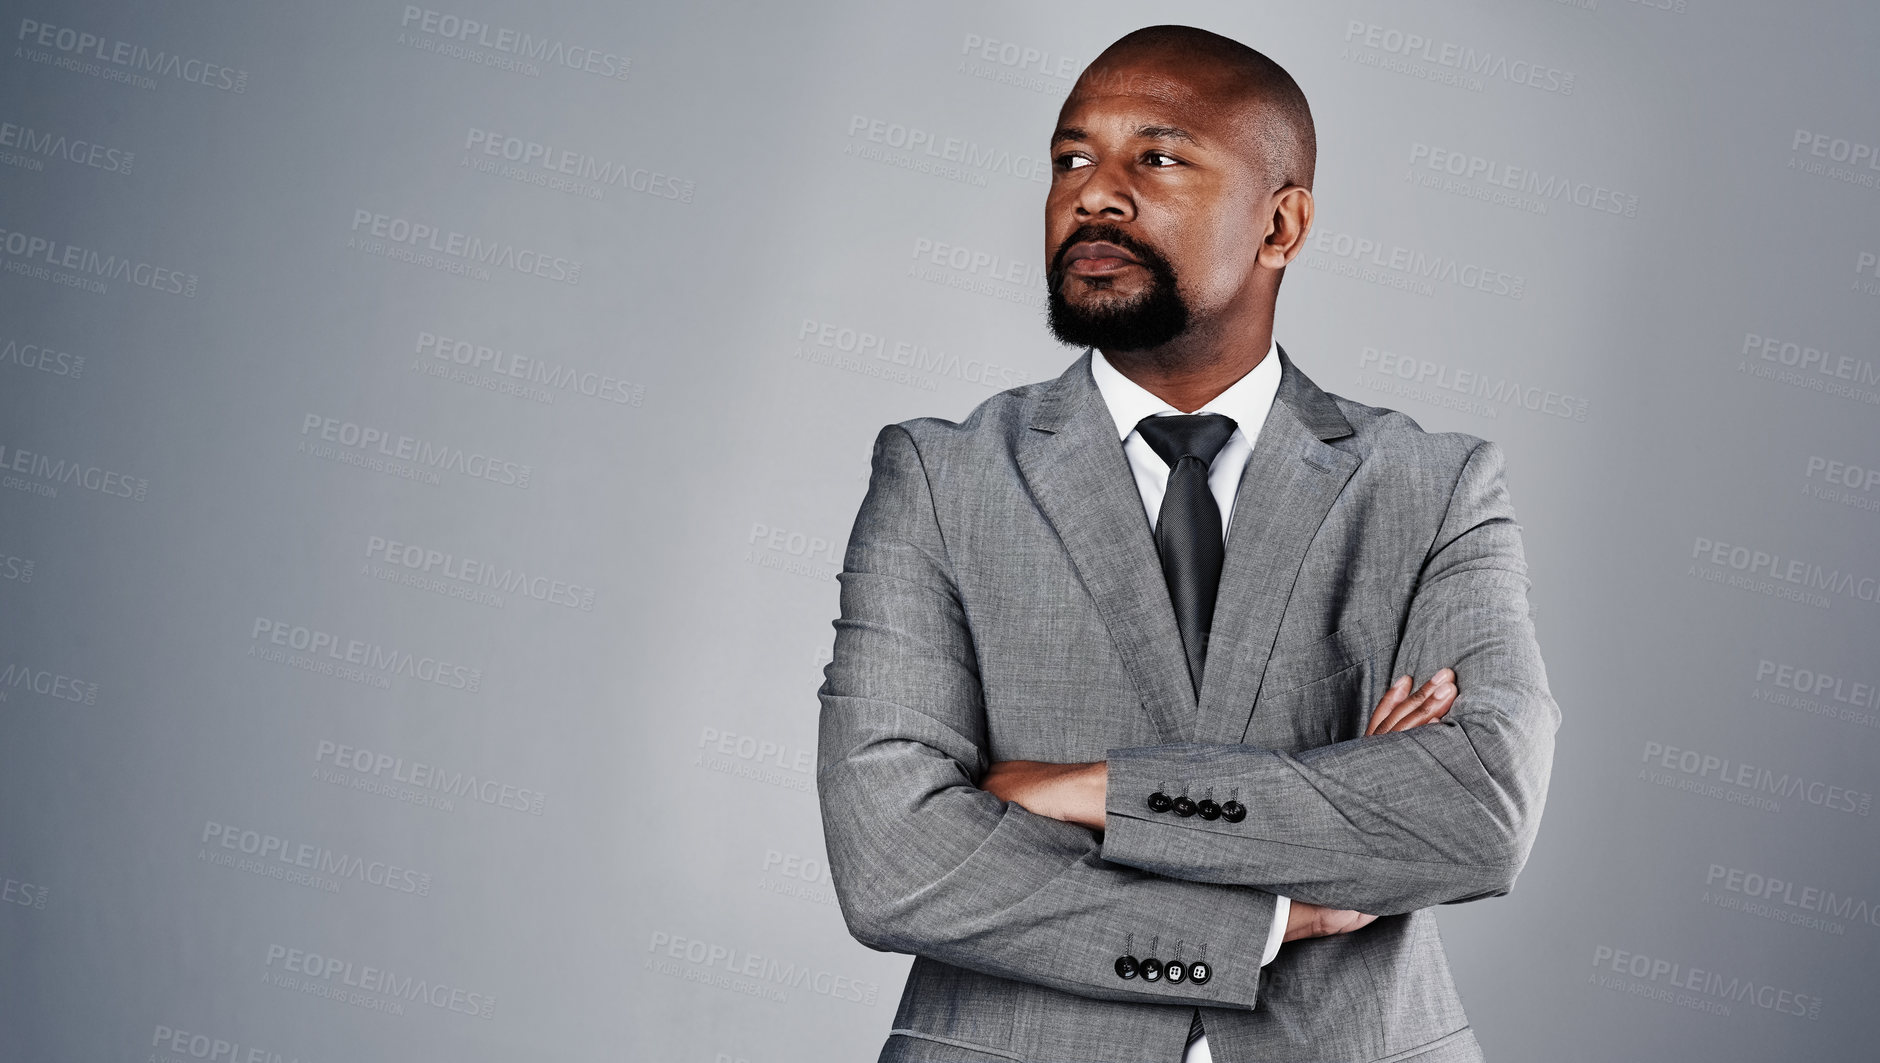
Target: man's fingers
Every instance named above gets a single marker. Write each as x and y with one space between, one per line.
1403 709
1430 702
1392 698
1361 920
1337 921
1430 713
1311 921
1432 708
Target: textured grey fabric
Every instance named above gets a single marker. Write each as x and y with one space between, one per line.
1002 600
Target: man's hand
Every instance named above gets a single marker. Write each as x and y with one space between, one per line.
1074 793
1311 921
1398 710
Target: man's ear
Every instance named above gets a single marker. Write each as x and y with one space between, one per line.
1288 222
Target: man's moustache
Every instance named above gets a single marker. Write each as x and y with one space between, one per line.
1135 247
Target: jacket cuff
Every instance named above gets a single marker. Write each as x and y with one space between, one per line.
1220 953
1154 811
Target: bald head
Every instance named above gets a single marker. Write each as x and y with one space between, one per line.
1276 122
1181 173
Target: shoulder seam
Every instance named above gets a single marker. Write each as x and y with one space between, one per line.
933 510
1450 502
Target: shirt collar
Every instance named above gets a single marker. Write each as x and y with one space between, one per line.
1246 400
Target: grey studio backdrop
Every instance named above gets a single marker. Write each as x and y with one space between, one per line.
428 437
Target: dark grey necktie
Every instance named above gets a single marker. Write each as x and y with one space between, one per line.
1188 536
1188 526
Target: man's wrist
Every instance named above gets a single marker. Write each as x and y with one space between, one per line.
1090 795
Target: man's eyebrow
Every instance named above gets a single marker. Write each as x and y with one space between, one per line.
1165 132
1148 132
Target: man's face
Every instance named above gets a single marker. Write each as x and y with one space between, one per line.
1156 209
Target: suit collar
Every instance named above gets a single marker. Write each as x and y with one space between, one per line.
1074 464
1246 400
1316 411
1063 397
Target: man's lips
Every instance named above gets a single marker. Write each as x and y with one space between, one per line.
1092 258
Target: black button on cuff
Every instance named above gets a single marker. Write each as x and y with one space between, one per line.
1126 967
1233 811
1151 970
1176 972
1199 972
1184 806
1208 809
1159 802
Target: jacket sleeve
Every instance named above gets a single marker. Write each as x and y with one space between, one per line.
924 861
1388 824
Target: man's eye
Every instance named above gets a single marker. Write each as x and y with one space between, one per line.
1072 162
1152 156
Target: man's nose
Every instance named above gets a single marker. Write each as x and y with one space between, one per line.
1106 193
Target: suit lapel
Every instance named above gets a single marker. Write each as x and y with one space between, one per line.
1074 464
1289 485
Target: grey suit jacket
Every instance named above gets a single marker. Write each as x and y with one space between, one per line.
1002 600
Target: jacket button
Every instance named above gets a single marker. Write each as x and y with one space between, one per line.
1126 967
1199 972
1151 970
1184 806
1208 809
1233 811
1176 972
1159 802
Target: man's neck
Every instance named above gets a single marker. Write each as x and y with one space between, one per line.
1189 375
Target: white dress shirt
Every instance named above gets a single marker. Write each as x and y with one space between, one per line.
1247 401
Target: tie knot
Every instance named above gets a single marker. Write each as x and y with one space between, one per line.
1186 435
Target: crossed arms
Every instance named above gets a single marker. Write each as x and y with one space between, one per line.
1079 793
927 861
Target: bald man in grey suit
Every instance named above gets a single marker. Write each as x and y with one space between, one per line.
1119 811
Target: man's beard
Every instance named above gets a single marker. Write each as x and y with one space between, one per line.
1152 318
